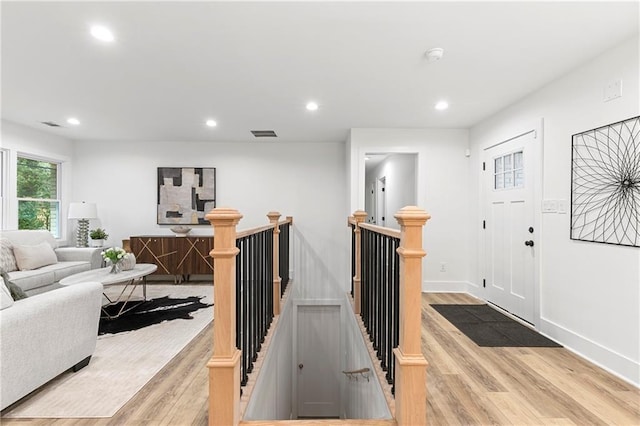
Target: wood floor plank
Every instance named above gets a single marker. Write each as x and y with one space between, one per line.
466 385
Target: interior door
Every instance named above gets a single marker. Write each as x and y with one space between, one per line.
509 225
381 201
318 341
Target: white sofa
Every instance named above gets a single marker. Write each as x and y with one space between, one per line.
68 260
44 335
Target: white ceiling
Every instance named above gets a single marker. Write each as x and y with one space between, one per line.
253 66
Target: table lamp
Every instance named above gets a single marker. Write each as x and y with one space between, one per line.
83 212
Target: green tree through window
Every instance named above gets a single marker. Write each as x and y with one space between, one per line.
38 204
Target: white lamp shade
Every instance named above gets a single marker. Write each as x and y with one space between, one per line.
83 211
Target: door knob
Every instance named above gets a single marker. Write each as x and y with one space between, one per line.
300 366
529 243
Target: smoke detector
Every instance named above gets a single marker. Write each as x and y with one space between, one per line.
435 54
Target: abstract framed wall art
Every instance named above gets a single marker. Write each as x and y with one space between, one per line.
185 194
605 184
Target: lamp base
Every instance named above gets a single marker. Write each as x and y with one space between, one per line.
82 238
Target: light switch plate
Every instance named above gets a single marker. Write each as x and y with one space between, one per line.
549 206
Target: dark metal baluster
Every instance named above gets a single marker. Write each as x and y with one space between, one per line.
376 294
262 304
270 278
384 303
364 275
353 255
381 300
396 311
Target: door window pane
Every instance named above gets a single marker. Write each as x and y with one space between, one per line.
509 171
508 163
508 180
519 178
517 160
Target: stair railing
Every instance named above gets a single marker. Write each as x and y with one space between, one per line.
247 296
387 288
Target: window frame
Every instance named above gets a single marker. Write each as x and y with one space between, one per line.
511 170
58 230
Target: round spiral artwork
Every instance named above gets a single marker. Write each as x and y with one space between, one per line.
605 184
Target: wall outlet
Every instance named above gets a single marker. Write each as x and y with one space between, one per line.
613 90
443 267
563 206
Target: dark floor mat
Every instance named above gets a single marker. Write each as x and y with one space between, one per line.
490 328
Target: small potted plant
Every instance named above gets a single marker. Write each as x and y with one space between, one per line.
98 236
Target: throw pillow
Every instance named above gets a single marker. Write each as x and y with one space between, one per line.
7 261
33 257
15 290
5 296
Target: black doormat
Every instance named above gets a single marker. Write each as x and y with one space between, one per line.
150 312
490 328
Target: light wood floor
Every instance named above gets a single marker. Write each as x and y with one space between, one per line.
467 385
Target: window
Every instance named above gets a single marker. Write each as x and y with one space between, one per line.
38 195
508 171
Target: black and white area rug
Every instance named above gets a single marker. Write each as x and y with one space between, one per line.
150 312
489 328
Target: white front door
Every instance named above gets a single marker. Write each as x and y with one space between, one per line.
318 341
510 235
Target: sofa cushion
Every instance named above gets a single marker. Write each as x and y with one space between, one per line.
29 280
34 257
7 261
16 291
29 237
64 269
5 297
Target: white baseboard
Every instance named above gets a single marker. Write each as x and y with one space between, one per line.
445 286
615 363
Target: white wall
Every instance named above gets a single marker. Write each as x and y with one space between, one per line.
399 171
589 293
361 398
18 139
300 180
272 396
442 177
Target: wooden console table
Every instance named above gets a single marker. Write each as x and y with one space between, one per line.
177 256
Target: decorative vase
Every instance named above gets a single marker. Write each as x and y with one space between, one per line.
115 268
128 262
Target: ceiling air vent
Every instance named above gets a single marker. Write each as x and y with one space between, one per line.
50 124
264 133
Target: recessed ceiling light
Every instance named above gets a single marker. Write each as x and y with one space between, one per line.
211 123
442 105
73 121
367 158
102 33
312 106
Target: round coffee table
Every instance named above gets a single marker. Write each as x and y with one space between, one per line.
131 279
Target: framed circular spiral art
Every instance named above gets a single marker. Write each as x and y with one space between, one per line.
605 184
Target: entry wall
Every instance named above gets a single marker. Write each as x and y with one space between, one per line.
589 293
